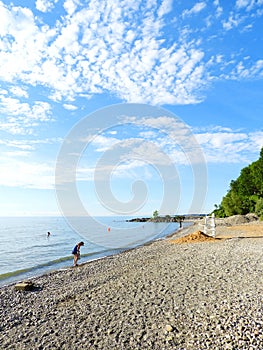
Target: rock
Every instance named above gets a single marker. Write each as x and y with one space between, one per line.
24 286
169 328
159 296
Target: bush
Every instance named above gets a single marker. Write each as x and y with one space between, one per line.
259 208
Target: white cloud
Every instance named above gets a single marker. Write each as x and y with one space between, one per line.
45 5
103 143
211 129
166 7
248 4
143 151
85 174
161 140
232 22
19 92
219 9
241 70
70 6
124 169
20 173
106 58
220 139
256 139
148 134
119 47
21 117
217 143
70 107
223 145
199 6
23 39
156 137
21 145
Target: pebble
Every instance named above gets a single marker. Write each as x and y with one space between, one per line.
160 296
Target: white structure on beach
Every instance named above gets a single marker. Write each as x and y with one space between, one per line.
210 225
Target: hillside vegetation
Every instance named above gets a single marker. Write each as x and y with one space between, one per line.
246 192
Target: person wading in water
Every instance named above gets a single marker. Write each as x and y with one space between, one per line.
76 252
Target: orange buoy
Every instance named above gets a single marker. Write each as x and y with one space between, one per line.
108 229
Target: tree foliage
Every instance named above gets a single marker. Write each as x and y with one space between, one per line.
155 214
246 192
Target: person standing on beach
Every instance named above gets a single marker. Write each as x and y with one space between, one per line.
76 252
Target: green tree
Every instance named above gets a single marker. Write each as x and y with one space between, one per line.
155 214
245 193
219 211
259 208
167 218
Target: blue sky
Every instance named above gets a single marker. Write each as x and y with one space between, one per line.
199 64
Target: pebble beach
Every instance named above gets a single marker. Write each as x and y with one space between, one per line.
163 295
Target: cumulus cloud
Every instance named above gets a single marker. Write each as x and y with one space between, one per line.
232 22
22 117
70 6
242 70
103 47
124 48
45 5
19 92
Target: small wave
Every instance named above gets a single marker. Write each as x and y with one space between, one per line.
42 267
33 268
13 273
64 262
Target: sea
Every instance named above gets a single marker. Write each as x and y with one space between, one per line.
27 250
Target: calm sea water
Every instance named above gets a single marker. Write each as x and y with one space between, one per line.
26 250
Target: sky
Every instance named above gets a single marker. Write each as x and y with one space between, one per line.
126 107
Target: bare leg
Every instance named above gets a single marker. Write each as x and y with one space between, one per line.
75 259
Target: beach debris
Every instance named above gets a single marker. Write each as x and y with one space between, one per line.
194 237
169 328
26 285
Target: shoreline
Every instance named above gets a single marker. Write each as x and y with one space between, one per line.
31 273
159 296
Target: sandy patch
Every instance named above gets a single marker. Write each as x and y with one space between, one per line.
251 229
242 231
194 237
248 230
